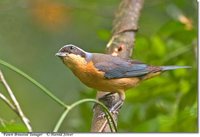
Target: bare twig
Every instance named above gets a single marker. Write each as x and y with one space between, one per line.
121 43
7 101
15 102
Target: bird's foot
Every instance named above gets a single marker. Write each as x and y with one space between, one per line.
113 110
113 103
103 114
104 99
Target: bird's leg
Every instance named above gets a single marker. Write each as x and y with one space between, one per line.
105 99
117 106
114 108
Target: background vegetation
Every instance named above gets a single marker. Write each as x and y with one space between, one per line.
32 31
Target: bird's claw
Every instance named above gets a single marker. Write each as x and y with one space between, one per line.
114 109
103 114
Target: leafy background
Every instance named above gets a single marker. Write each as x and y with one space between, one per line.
32 31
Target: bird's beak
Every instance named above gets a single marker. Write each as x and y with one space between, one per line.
60 54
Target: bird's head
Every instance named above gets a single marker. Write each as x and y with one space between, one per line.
71 55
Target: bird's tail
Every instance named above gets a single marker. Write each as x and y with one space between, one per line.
164 68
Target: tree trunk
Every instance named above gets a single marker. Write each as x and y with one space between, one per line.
125 26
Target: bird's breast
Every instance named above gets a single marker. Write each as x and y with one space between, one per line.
87 73
94 78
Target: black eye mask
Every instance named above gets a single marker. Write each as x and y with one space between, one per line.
73 50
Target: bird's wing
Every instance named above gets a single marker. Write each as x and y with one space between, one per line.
120 68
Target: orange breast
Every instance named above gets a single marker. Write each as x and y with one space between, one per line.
94 78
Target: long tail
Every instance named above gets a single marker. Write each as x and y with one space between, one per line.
164 68
161 69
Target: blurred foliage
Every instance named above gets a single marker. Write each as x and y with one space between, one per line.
12 126
31 32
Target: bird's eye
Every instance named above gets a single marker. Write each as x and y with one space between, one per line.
71 48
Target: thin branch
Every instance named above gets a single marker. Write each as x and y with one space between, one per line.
103 126
7 101
15 102
61 119
66 111
45 90
125 26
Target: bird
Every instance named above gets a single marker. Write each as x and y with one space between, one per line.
105 72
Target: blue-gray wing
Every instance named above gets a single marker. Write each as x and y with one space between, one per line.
122 69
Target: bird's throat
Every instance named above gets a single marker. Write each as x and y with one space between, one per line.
74 61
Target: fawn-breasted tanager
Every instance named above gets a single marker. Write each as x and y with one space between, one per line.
108 73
